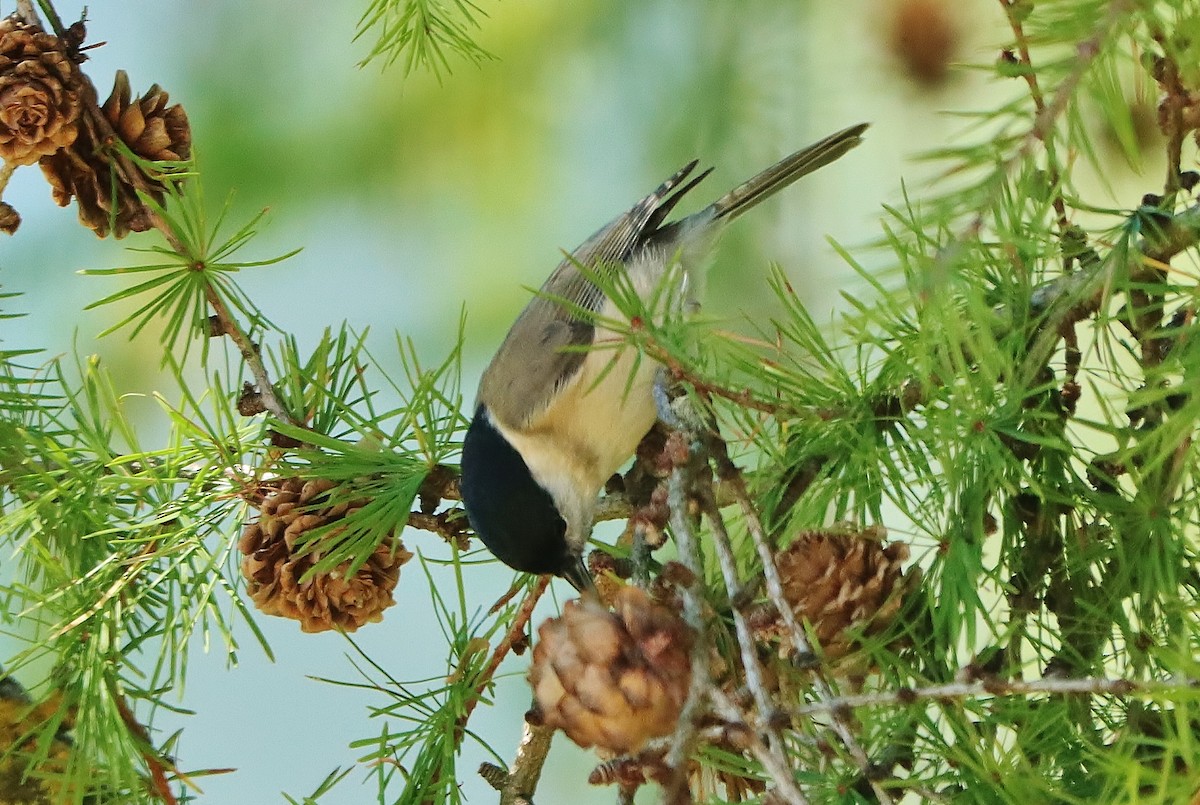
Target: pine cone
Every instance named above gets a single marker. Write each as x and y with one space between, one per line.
29 773
924 36
10 219
326 601
150 128
39 96
612 680
839 580
107 200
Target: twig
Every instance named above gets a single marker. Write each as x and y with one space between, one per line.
749 649
798 482
743 398
130 173
521 780
1085 53
681 483
515 629
250 354
616 506
1176 97
729 472
1043 121
1172 236
678 485
157 767
994 687
449 525
27 13
1039 104
526 769
1072 297
6 172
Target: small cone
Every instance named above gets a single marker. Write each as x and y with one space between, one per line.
29 776
10 219
150 128
612 680
274 573
840 582
924 36
39 94
108 201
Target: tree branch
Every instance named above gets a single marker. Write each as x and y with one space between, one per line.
995 687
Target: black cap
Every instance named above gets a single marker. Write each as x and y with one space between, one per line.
511 512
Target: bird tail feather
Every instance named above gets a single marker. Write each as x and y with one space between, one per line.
786 171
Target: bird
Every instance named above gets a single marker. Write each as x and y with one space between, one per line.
554 417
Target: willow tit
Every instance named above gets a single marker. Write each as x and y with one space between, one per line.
554 419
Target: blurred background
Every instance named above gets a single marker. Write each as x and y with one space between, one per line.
414 199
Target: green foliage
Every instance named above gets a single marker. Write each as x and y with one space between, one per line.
188 274
422 34
118 562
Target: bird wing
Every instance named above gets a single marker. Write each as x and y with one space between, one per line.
555 328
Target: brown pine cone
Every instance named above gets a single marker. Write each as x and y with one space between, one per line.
30 773
326 601
10 219
924 36
839 580
150 128
39 95
107 199
612 680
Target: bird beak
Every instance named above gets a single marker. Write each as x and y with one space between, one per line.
579 577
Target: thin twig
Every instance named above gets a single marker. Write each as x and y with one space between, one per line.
449 525
1039 104
251 355
616 506
1043 122
1072 297
158 768
749 649
743 398
132 175
516 629
526 769
994 687
1176 98
1085 53
688 546
6 172
681 483
27 13
522 778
